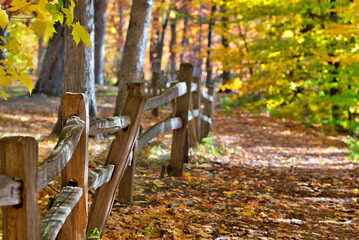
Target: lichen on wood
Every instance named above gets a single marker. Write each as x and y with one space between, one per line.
99 176
57 215
62 153
178 90
108 124
157 129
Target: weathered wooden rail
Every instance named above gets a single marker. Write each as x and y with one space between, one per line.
21 177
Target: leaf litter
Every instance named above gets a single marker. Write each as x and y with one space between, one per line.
255 177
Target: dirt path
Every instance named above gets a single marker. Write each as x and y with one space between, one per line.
255 178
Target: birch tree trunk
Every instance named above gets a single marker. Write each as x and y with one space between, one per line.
135 49
78 72
100 31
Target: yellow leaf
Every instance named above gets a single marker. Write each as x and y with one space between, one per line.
223 231
42 27
287 34
3 40
158 184
26 80
80 33
4 78
229 192
69 13
40 9
58 17
4 19
39 27
3 94
19 5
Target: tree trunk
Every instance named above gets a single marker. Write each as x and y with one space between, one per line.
184 39
172 47
40 54
78 71
135 49
209 64
225 44
158 44
197 71
50 77
336 111
120 43
100 31
3 34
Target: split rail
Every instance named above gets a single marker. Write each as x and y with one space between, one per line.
69 218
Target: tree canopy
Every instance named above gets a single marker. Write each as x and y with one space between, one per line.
299 57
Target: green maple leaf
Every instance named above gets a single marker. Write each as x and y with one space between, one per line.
80 33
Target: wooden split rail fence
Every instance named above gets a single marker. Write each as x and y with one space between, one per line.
22 177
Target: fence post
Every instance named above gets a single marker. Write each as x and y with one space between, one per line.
197 105
179 135
18 158
118 155
206 122
193 125
155 78
76 170
125 190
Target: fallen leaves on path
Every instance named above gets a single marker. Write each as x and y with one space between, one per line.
256 177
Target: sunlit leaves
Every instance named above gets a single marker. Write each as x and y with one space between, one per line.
4 19
40 17
25 80
80 33
300 57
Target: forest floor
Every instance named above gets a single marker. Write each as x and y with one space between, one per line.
255 177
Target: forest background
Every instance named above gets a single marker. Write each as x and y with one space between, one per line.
292 59
295 58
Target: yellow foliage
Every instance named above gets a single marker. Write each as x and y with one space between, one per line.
18 57
4 19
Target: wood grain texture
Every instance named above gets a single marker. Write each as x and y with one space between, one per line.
18 158
99 176
179 148
76 170
157 129
177 90
108 124
10 191
61 155
56 216
125 188
118 155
